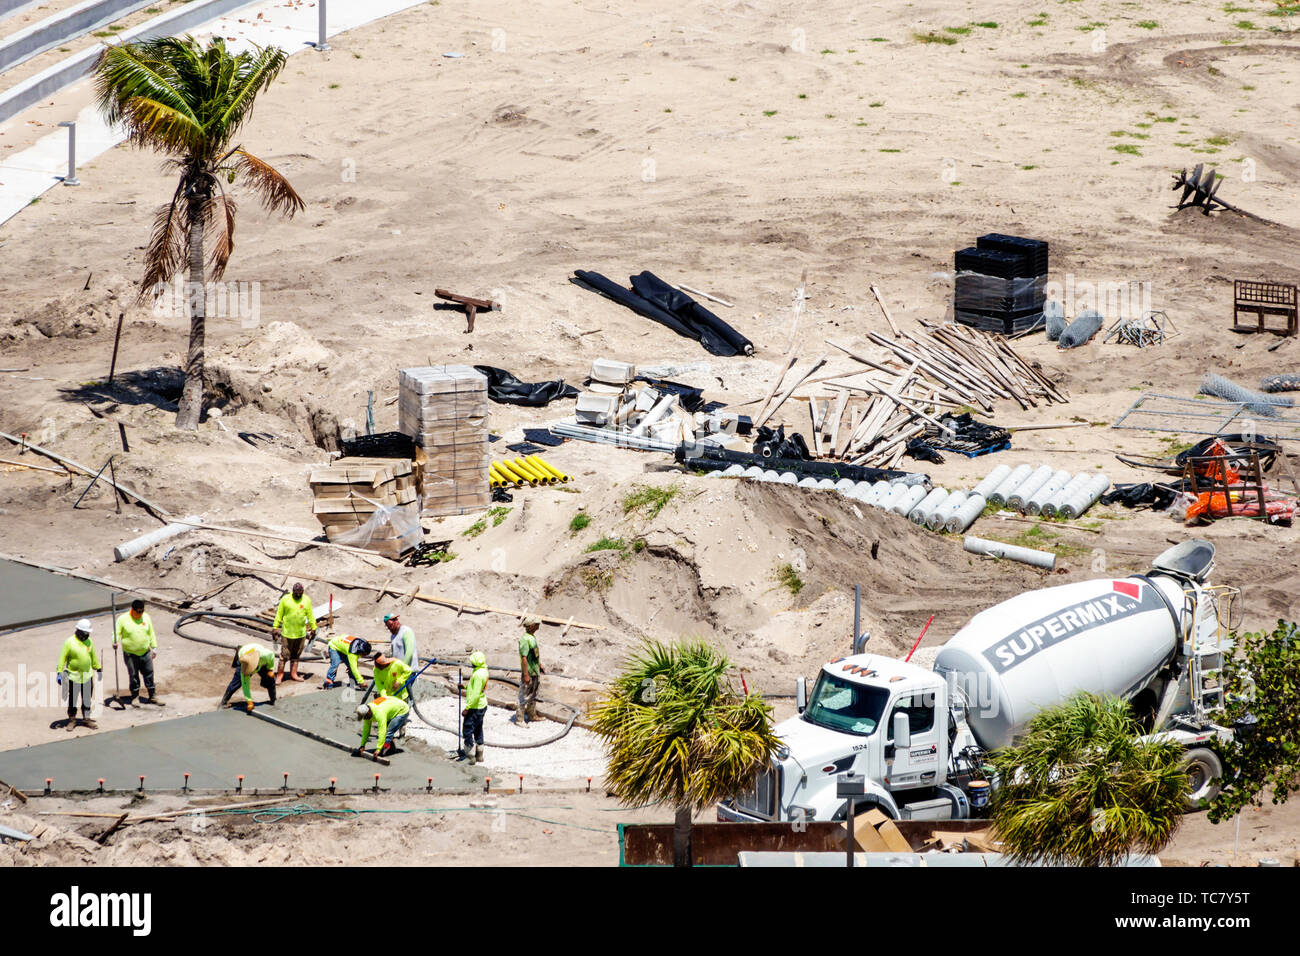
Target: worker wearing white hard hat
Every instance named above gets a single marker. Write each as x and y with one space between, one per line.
77 661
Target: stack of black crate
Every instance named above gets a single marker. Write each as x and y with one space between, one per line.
1001 284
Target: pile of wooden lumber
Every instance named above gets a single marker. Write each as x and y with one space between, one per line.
868 416
445 409
348 493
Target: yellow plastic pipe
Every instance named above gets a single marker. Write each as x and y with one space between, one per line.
546 468
496 474
516 476
539 476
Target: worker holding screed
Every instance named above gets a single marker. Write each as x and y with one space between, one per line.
345 648
134 631
530 672
390 713
249 660
403 643
77 660
295 621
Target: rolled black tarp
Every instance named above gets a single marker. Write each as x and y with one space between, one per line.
508 390
655 299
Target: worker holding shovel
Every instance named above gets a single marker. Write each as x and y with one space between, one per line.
77 661
391 676
295 621
390 713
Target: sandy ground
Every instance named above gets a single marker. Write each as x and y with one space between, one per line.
729 146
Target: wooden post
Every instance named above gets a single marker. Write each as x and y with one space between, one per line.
112 366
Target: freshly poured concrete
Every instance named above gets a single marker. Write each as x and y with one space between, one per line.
216 747
34 596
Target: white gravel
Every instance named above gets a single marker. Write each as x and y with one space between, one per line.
576 756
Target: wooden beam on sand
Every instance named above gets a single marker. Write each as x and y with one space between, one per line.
885 309
762 419
415 595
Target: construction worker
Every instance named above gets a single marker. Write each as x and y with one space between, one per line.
475 709
530 671
345 648
77 660
391 676
295 621
403 645
134 631
249 660
391 715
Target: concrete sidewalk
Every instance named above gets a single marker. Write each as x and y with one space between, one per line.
26 175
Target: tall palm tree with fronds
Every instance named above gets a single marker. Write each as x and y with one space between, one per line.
188 101
677 730
1082 788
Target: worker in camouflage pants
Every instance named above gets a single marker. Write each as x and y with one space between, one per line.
530 672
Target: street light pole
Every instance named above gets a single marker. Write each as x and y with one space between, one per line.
321 43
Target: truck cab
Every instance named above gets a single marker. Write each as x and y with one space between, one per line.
886 719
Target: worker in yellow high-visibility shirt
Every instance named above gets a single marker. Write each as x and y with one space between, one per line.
295 621
391 675
475 709
249 660
345 648
390 714
134 631
77 661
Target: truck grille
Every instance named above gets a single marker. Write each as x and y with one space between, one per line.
760 800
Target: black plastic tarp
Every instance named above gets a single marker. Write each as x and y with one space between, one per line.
655 299
508 390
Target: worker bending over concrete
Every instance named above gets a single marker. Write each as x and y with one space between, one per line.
345 648
77 660
475 710
403 644
134 631
530 672
391 676
390 713
295 621
249 660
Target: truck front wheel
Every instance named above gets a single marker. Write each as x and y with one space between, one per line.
1204 770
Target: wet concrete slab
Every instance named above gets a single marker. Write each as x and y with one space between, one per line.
34 596
216 747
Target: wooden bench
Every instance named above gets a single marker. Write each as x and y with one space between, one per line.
1259 299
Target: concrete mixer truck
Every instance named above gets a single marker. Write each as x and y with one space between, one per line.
916 736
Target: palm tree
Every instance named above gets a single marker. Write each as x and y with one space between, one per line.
1081 788
188 101
676 730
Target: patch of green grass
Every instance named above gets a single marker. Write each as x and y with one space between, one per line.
498 514
960 31
334 86
438 557
649 499
1245 25
1247 88
731 79
1142 125
101 33
1028 167
1147 24
668 109
1213 71
988 24
788 578
1018 96
803 96
1128 148
879 40
890 150
876 104
1166 119
1089 27
608 544
34 201
933 37
788 138
476 529
1024 66
769 112
829 52
1040 22
1219 140
830 116
356 56
597 579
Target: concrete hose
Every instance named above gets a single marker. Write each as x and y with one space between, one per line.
231 615
455 731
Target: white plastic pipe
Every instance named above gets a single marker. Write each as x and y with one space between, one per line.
861 490
965 516
130 549
1034 503
927 504
1009 484
844 485
825 484
939 515
1041 476
807 482
1053 504
892 496
1085 499
656 413
995 478
753 471
910 499
788 478
731 471
770 475
996 549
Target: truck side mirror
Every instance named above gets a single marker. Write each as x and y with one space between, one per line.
801 693
902 730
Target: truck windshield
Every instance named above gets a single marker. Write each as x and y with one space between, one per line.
839 704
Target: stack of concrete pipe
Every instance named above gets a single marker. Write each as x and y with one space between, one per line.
1045 491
